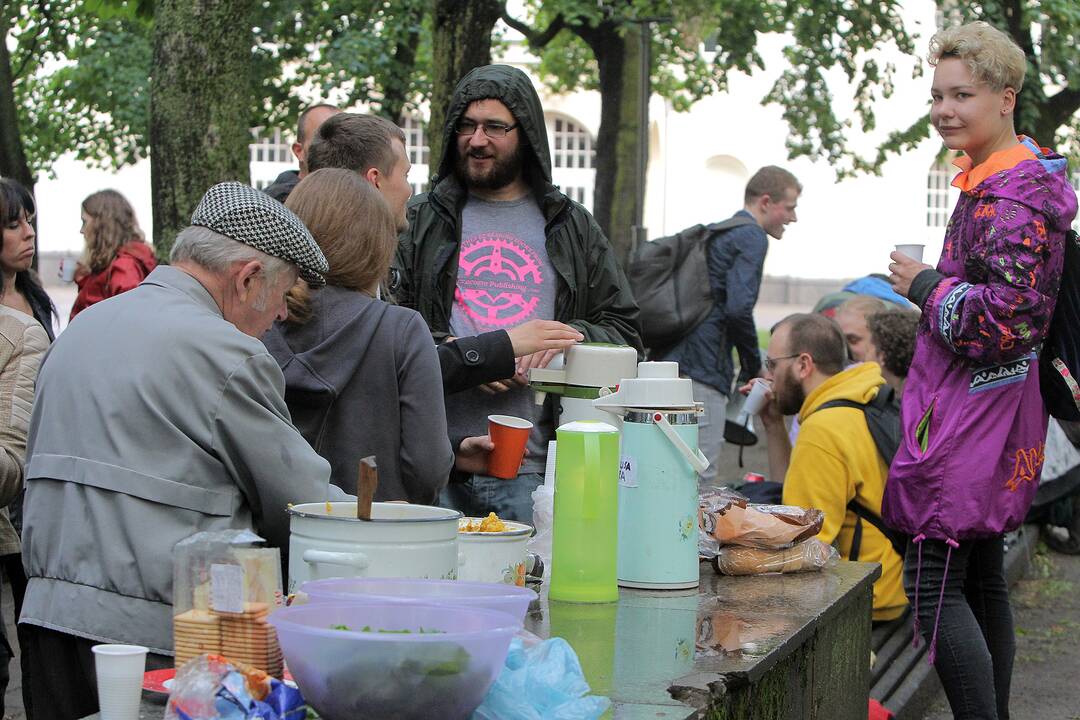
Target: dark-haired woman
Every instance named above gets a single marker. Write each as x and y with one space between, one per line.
21 288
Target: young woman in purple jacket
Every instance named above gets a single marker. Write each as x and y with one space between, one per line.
974 422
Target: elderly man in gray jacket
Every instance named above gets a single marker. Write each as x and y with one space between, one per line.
160 414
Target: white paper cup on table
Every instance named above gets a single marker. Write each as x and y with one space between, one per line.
755 400
912 250
119 671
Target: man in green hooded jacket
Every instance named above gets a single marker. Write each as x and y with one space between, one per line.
495 244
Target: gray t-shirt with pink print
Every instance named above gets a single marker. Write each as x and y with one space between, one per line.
505 278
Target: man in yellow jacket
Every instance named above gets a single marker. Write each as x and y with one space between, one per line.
834 460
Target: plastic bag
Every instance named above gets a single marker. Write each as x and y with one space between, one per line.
538 682
770 527
543 511
211 688
707 545
810 554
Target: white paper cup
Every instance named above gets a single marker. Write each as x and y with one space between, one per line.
119 671
912 250
755 401
68 265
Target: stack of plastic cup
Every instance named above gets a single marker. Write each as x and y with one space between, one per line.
119 680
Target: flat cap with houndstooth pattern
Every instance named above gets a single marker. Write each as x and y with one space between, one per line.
254 218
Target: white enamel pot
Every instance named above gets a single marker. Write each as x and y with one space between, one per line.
400 540
497 557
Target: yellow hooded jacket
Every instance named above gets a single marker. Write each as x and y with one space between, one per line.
835 460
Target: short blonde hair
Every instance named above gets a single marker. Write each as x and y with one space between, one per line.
992 56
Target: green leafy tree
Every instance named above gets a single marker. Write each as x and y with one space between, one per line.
95 100
78 77
1048 104
593 46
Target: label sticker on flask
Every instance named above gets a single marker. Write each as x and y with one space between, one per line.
627 472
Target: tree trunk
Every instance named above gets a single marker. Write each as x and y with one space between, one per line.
461 41
12 155
616 194
200 105
396 88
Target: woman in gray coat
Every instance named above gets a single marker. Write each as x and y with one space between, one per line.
361 375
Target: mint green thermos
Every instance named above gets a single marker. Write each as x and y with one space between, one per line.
658 479
585 531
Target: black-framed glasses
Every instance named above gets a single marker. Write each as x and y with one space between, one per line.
492 129
770 362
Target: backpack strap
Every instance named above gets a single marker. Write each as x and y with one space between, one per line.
729 224
856 537
840 403
896 539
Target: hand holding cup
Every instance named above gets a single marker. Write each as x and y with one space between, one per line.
510 435
902 271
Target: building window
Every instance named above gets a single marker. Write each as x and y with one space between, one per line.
415 142
572 146
1076 187
417 149
938 191
269 147
572 157
577 194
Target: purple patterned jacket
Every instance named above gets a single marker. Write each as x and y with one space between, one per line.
973 420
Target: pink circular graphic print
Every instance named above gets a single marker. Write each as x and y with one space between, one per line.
500 280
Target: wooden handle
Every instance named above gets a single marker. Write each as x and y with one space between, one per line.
365 487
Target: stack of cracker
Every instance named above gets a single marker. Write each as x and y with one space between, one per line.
246 637
195 632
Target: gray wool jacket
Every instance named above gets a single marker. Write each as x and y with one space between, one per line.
155 418
362 378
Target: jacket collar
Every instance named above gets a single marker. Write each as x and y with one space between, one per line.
971 176
173 278
450 196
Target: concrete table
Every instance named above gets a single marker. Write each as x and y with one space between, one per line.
767 647
764 648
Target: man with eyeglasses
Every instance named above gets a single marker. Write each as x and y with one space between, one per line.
495 244
835 460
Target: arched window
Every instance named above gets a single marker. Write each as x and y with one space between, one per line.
571 145
573 160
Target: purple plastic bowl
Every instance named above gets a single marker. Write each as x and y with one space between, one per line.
442 667
490 596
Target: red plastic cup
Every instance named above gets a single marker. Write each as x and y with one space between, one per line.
510 435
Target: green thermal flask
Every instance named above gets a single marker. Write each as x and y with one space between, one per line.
585 527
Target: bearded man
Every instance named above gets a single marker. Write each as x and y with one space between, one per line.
495 245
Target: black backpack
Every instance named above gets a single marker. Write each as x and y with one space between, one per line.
1059 360
883 420
670 281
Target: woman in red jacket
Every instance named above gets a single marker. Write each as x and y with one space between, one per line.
117 257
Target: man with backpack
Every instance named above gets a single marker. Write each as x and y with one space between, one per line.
735 256
849 429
